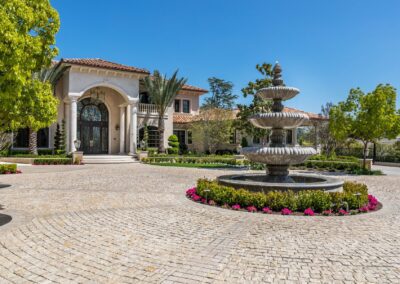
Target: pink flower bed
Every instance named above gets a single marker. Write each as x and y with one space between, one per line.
192 194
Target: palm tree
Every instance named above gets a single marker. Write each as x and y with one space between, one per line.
50 75
162 92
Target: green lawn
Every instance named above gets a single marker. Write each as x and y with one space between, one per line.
193 165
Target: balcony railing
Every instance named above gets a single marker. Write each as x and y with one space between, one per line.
148 108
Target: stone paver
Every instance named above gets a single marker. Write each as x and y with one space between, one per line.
133 224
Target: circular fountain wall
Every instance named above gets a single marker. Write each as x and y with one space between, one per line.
278 156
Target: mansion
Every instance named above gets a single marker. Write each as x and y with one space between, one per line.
105 106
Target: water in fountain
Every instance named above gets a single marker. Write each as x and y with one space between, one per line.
278 156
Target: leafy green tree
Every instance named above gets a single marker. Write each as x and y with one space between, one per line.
366 117
27 33
173 142
213 127
257 105
326 139
162 92
221 94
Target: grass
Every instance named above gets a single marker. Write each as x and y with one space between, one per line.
193 165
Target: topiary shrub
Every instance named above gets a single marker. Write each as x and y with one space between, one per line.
173 143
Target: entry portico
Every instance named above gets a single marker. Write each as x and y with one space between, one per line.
100 102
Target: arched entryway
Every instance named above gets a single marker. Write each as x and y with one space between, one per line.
92 129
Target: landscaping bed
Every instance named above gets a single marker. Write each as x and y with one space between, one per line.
6 169
353 200
191 161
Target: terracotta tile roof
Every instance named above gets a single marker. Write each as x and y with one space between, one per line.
100 63
183 118
195 89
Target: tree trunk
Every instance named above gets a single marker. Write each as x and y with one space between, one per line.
33 142
365 155
161 128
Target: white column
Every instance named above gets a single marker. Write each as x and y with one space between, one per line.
67 126
73 122
133 130
122 129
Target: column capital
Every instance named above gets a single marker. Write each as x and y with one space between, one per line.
72 97
133 101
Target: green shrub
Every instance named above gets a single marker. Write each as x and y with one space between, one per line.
192 160
12 168
244 142
318 200
173 143
52 161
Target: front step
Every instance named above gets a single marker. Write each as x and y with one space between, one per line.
109 159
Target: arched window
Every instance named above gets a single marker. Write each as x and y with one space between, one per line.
90 110
154 137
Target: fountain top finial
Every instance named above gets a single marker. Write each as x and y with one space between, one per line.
277 71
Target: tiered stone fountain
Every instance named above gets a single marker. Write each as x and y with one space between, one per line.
278 156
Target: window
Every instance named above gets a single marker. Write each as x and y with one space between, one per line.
186 106
153 134
181 134
177 105
144 98
22 138
189 137
256 140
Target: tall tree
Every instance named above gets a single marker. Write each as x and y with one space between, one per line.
162 92
221 94
213 126
326 139
257 105
27 32
366 117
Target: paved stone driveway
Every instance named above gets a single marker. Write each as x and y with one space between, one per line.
133 224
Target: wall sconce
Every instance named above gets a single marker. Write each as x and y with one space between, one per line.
117 127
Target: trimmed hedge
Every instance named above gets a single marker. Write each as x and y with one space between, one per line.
332 165
318 200
194 160
52 161
4 168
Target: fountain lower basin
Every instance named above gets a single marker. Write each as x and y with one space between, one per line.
294 182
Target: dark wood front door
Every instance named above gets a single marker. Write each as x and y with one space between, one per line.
93 127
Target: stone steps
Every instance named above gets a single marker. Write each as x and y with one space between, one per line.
109 159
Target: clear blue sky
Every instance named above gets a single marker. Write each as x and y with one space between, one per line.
325 47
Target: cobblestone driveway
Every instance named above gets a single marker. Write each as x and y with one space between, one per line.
132 223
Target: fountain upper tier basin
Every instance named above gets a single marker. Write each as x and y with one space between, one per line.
278 155
284 120
278 92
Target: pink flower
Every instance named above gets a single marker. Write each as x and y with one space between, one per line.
309 212
195 197
286 211
236 207
251 209
364 209
212 203
267 210
8 173
19 172
203 200
343 212
327 212
372 202
191 191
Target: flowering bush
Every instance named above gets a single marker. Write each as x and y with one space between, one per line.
286 211
251 209
267 210
203 200
190 192
343 212
309 212
236 207
327 212
364 209
212 203
372 202
196 197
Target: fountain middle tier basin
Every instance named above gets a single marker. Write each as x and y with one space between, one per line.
278 92
278 155
263 183
284 120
